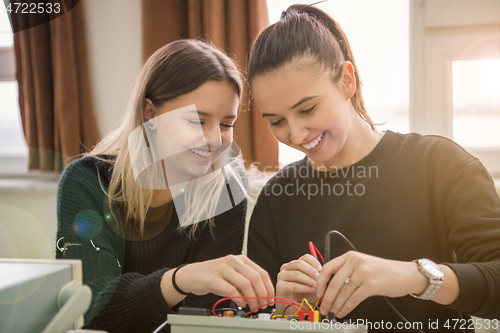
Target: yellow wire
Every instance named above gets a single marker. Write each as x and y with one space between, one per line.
276 316
309 305
317 303
300 307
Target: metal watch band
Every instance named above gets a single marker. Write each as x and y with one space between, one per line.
430 291
432 288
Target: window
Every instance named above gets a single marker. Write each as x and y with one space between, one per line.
476 102
451 85
13 148
379 34
455 71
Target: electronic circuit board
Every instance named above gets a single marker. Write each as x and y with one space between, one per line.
213 324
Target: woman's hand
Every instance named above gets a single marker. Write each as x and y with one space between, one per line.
297 280
232 275
368 276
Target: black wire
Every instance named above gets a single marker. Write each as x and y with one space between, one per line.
283 315
226 309
386 299
232 307
399 314
316 306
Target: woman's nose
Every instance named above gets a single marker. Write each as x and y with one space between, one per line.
298 133
213 138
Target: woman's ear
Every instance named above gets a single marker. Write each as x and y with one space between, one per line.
149 113
348 80
149 109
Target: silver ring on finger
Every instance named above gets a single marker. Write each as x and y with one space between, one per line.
348 281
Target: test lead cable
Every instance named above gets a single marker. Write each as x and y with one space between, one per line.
327 258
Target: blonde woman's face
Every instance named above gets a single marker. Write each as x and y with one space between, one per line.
194 126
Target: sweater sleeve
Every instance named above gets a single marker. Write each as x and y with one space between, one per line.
472 212
128 302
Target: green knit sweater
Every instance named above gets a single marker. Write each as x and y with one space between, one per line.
124 272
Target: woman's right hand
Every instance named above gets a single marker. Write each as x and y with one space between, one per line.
232 275
297 280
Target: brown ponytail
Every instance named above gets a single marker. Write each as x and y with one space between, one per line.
305 31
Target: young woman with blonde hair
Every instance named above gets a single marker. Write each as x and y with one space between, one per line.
422 212
155 212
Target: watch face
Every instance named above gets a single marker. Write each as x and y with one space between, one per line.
431 267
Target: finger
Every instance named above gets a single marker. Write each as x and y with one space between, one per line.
335 285
312 261
287 288
243 285
255 279
358 296
329 269
226 289
298 277
301 266
264 275
343 296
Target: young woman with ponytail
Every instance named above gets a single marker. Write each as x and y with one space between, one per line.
146 210
398 198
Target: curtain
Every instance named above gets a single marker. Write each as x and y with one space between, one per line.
232 25
54 86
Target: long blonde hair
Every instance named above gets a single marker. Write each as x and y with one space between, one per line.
173 70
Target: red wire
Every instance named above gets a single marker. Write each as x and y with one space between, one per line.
323 260
279 299
262 306
311 249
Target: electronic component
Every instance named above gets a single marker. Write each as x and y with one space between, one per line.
264 316
241 314
313 316
184 310
228 314
301 315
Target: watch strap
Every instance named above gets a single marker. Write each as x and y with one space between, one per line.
432 288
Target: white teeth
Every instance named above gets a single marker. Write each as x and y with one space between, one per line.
199 152
314 143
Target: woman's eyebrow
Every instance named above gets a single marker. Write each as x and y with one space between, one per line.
303 100
268 115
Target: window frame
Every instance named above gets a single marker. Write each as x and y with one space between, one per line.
440 32
10 163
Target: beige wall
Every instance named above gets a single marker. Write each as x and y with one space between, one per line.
114 46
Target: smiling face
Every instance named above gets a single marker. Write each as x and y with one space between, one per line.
308 111
192 136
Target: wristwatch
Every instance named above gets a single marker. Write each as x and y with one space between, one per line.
435 275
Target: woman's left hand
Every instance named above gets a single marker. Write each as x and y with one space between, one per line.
368 276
